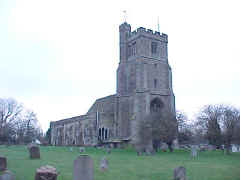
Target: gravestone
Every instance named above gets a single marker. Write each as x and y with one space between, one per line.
3 163
234 148
104 164
83 168
175 144
202 148
179 173
46 173
108 150
139 153
82 149
194 151
34 152
211 147
164 147
71 149
7 175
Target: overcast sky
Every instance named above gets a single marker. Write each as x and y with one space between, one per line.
58 56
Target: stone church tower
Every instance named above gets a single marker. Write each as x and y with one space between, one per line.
144 78
144 85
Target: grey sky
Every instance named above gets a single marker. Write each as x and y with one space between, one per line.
57 57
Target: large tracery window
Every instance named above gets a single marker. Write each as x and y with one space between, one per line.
156 105
103 133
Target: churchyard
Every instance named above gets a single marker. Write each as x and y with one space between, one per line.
124 164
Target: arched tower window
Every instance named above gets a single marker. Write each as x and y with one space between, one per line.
156 105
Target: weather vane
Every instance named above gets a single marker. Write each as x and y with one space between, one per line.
125 15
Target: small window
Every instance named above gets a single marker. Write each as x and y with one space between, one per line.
155 83
154 47
134 49
129 51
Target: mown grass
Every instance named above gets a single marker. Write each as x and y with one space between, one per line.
124 164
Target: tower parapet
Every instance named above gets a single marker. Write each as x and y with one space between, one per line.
141 31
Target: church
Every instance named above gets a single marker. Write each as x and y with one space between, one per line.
144 85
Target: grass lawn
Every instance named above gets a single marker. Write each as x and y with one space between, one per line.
124 164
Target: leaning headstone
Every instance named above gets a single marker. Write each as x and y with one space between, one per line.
46 173
104 164
179 173
82 149
194 152
34 152
164 147
7 175
83 168
3 163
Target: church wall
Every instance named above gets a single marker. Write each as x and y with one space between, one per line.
80 130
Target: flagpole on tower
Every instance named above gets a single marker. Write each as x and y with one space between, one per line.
158 24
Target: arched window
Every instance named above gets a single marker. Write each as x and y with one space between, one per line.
102 133
155 83
106 133
156 105
99 133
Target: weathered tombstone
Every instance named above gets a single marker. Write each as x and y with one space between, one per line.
164 147
211 147
82 149
7 175
108 150
71 149
234 148
175 144
179 173
34 152
103 164
46 173
3 163
139 153
202 149
83 168
194 152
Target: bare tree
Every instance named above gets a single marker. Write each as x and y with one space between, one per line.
209 119
145 134
10 110
164 126
230 122
185 130
17 124
220 124
158 126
